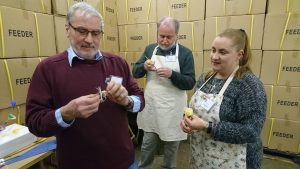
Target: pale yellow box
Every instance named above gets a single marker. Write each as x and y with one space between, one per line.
108 10
281 68
136 11
62 42
61 7
252 24
282 32
22 111
255 64
134 38
206 61
285 135
269 89
41 6
198 63
235 7
131 58
283 6
110 39
141 83
4 113
19 33
285 103
191 35
5 94
21 70
45 25
265 133
182 10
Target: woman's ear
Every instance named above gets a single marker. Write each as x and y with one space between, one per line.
241 53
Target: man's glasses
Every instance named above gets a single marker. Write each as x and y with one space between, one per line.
84 32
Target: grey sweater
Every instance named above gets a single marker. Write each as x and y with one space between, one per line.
242 114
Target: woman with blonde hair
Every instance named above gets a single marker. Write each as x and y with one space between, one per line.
229 106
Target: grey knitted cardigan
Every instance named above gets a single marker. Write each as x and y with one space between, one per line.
242 114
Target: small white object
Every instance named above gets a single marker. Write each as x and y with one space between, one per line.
13 138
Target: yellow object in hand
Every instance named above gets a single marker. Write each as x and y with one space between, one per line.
188 112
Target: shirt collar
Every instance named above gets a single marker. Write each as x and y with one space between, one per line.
72 55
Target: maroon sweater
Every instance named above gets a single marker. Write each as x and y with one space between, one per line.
101 141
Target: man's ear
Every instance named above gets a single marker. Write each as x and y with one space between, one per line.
67 28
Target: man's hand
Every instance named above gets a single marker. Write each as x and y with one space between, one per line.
149 65
117 93
81 107
164 72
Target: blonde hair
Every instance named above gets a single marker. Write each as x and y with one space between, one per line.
239 40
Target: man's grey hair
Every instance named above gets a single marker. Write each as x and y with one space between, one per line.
167 20
85 9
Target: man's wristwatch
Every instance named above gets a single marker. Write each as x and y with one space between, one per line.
129 106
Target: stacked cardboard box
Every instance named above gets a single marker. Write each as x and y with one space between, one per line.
27 34
247 15
281 75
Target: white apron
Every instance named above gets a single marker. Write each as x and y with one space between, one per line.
165 103
205 152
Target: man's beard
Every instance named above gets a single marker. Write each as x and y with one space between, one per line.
167 48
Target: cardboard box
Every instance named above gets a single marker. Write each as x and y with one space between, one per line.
19 33
282 32
281 68
45 25
198 62
136 11
62 42
269 91
206 61
13 138
255 64
265 133
182 10
283 6
235 7
134 38
22 112
285 103
285 135
61 7
21 71
131 57
41 6
4 116
108 10
252 24
191 35
110 40
5 94
141 83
